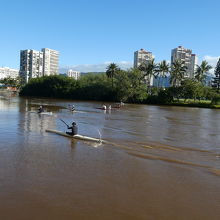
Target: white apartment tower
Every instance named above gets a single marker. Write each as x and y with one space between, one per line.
35 63
194 63
185 55
31 64
50 62
141 56
73 74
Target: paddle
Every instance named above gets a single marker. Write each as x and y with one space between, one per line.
64 123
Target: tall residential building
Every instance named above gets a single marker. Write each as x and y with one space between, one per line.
194 63
73 74
31 64
8 72
141 56
50 62
185 55
35 63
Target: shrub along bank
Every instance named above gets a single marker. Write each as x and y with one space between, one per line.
127 86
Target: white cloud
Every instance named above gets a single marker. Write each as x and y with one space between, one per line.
101 67
107 62
211 61
124 62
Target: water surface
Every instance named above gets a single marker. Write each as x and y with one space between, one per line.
161 162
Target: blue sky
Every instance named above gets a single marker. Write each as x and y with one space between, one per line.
91 33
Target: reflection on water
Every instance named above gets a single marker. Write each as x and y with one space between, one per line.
158 163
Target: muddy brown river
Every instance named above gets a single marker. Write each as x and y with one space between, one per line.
160 162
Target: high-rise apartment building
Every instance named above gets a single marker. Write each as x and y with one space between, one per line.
31 64
185 55
50 62
73 74
194 63
35 63
8 72
141 56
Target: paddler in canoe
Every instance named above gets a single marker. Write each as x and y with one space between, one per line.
40 109
104 107
74 129
122 103
73 108
118 105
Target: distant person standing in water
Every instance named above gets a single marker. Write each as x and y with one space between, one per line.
74 129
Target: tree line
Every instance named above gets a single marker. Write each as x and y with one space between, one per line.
132 85
12 82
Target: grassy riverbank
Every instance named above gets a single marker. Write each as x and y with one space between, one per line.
197 103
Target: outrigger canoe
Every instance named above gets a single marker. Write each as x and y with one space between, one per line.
77 136
101 108
42 113
108 108
45 113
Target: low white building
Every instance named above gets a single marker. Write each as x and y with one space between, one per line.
8 72
73 74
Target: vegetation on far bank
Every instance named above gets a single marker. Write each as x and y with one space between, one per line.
12 82
131 86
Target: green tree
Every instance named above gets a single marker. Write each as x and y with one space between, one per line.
14 82
202 70
122 86
48 86
192 89
93 87
209 93
137 86
177 73
112 70
130 86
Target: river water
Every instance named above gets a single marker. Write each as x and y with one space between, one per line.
160 162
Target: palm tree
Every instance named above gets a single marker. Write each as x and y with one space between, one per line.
177 72
163 69
112 69
149 69
201 70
